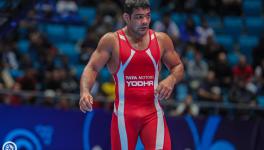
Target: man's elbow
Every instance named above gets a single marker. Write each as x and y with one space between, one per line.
181 71
178 72
89 70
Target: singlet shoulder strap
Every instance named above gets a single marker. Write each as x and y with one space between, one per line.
121 35
154 46
152 34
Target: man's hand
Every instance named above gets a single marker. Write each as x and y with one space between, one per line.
165 88
86 102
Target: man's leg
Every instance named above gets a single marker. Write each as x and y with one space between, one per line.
155 134
123 134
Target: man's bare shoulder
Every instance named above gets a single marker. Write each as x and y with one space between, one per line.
107 41
109 37
164 40
161 36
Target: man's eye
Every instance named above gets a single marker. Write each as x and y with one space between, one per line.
139 17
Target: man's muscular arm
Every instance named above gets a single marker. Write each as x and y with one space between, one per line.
172 60
98 59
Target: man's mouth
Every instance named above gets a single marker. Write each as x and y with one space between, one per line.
143 28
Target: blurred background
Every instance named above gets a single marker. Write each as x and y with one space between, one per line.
45 44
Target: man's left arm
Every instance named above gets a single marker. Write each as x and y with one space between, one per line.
172 60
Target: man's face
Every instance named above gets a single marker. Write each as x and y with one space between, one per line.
139 21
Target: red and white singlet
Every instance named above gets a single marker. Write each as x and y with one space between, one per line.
137 112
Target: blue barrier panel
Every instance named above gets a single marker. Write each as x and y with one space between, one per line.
37 128
41 128
212 133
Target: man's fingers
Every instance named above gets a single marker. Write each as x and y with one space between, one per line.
165 93
168 95
86 103
164 89
82 109
157 90
162 93
91 100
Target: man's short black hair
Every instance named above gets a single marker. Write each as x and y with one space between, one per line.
130 5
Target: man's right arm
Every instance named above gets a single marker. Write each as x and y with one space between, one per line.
98 59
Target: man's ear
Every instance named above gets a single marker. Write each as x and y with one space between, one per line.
126 18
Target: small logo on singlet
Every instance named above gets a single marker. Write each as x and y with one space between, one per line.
9 146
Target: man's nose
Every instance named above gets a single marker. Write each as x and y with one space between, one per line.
145 20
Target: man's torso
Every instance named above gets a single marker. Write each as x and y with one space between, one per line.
137 74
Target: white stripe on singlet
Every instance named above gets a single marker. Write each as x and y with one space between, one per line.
152 36
120 111
160 122
122 37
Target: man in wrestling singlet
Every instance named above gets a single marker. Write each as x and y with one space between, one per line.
133 55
